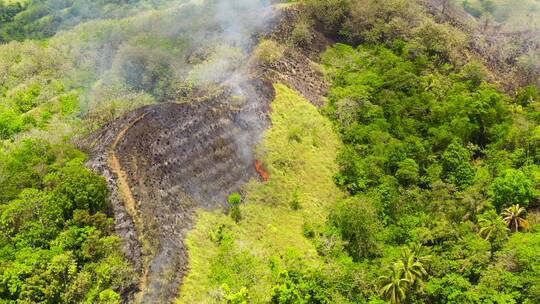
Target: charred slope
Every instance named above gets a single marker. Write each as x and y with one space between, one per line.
298 67
162 162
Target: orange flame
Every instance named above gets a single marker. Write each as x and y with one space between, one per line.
262 172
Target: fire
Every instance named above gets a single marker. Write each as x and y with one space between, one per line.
262 172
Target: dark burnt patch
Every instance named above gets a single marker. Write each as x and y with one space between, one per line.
176 158
164 161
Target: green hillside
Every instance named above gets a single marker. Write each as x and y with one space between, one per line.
229 258
39 19
395 162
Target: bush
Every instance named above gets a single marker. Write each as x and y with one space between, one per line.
108 297
457 168
268 51
439 41
76 187
68 104
474 73
331 14
408 172
234 201
240 297
358 224
527 95
25 100
295 287
295 201
452 288
145 69
512 187
382 21
301 35
11 123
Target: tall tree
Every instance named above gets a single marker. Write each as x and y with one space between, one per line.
491 226
514 217
394 285
413 266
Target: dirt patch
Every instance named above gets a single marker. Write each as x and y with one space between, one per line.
123 187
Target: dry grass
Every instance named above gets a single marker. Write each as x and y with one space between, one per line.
268 51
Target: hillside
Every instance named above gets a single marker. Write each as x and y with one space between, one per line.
319 151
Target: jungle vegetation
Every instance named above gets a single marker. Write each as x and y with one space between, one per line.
417 182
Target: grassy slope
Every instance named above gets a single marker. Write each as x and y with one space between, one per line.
299 151
517 14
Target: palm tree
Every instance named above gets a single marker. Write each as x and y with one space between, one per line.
487 227
404 275
491 226
514 218
413 266
394 285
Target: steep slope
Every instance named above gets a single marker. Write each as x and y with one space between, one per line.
510 51
204 98
164 161
299 150
167 159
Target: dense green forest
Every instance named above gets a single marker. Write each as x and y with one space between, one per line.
442 167
417 180
57 244
440 185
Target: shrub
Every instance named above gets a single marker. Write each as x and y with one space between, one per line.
240 297
268 51
358 224
331 14
474 73
10 123
296 287
301 35
527 95
108 296
408 172
145 69
234 201
439 41
25 100
512 187
382 21
295 201
68 103
76 187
